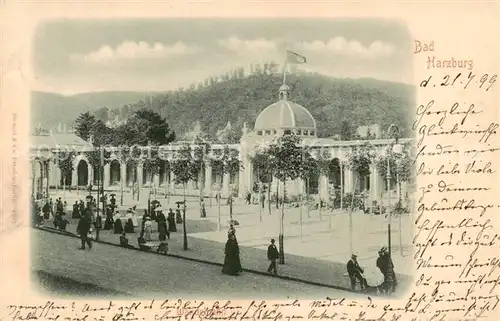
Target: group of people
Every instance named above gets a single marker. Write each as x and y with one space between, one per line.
165 225
41 213
384 264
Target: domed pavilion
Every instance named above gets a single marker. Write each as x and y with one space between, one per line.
285 115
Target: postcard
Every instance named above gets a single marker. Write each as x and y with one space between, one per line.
250 161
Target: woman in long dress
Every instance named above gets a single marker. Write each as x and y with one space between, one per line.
148 229
232 264
131 216
163 232
171 221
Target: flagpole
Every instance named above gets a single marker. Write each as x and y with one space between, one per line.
284 69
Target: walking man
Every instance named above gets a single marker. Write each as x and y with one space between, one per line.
272 255
83 228
356 273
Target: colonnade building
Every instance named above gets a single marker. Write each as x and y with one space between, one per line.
274 120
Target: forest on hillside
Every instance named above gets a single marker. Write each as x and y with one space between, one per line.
334 102
331 101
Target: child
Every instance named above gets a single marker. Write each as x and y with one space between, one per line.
124 240
162 248
142 243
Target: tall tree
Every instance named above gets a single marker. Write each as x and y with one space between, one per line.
185 169
84 125
262 166
102 114
201 157
153 127
97 158
226 162
151 164
359 162
286 157
346 130
102 134
64 161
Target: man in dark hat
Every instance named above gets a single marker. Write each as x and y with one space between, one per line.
356 273
83 228
272 255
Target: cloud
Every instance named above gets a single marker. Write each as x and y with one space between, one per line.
253 46
130 50
341 46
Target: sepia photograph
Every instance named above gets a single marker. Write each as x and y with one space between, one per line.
222 158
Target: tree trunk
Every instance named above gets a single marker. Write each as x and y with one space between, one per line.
121 184
231 205
308 197
219 227
33 174
282 228
341 188
185 243
259 200
202 191
277 196
269 196
301 199
47 178
351 248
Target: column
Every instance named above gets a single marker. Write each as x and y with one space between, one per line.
123 174
156 180
47 171
106 176
172 182
90 170
348 180
208 178
74 176
57 176
323 187
375 184
225 185
245 181
32 164
139 174
52 181
302 186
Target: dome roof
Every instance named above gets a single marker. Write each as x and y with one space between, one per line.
284 114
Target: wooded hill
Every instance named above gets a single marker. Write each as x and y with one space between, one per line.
331 101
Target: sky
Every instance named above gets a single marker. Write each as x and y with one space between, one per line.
77 56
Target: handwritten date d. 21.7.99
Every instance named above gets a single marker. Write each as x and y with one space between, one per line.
465 81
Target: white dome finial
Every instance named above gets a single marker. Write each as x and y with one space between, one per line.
284 92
